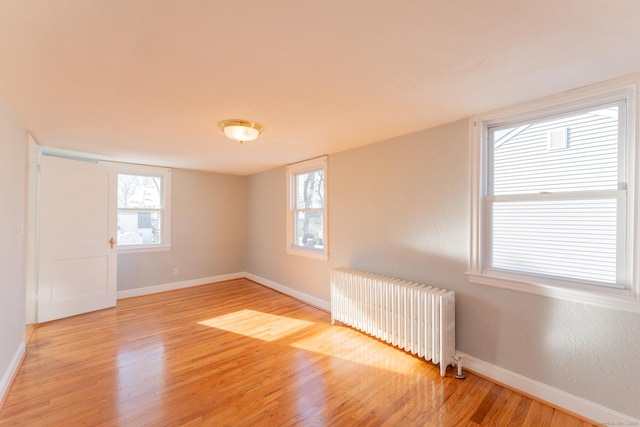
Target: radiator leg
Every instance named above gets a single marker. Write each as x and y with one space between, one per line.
458 360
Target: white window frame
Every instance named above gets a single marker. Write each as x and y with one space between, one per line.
628 299
165 224
293 170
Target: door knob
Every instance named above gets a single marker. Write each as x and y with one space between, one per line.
112 241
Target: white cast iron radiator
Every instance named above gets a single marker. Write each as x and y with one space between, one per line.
417 318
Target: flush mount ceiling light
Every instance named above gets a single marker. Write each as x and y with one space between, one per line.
240 130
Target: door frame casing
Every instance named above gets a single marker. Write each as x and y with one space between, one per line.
34 153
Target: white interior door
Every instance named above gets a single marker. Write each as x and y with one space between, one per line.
78 216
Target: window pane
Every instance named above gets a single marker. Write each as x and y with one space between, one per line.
138 228
574 239
308 229
137 191
574 153
310 190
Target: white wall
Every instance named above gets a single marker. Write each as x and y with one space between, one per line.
12 258
207 233
401 207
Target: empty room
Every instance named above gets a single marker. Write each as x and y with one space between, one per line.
413 212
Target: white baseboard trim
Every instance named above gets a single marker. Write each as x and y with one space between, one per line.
11 372
547 393
304 297
177 285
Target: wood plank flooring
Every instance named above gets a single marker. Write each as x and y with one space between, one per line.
235 353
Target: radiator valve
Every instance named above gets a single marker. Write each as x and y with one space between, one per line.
458 361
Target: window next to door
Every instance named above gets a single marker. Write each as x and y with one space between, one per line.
143 208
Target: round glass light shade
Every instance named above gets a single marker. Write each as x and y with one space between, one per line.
240 130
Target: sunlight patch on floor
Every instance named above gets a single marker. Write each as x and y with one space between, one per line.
339 343
361 350
255 324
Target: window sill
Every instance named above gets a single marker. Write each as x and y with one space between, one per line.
308 253
614 299
140 249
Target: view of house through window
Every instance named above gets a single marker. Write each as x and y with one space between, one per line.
556 197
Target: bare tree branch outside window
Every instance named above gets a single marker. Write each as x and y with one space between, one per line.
310 201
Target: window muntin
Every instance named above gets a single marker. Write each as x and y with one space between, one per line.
554 208
306 210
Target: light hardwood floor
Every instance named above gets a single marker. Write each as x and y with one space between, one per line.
236 353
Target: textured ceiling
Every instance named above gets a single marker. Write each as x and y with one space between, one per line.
147 81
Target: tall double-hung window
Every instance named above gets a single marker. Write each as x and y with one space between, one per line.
554 197
307 208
